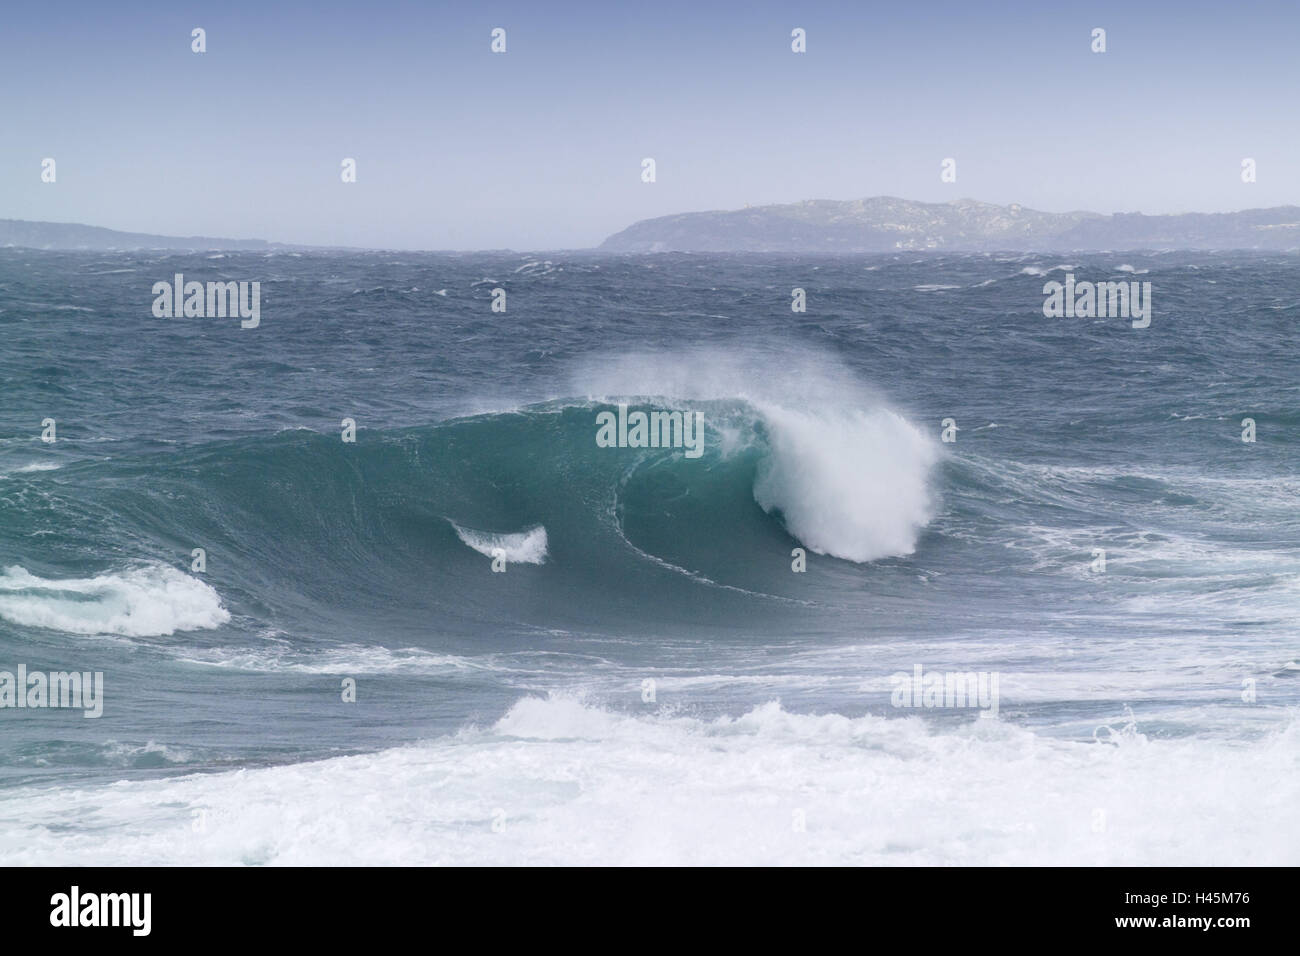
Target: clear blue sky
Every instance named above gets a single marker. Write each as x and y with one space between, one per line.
541 147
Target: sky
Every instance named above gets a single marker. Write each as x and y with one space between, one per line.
541 147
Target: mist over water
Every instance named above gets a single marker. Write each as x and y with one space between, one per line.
523 691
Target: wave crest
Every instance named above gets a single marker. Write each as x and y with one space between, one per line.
152 601
852 484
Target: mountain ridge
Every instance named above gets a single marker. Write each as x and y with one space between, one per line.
890 224
36 234
828 226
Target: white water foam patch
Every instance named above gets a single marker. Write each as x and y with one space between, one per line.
1042 271
345 660
32 468
125 754
152 601
524 547
566 783
851 484
37 466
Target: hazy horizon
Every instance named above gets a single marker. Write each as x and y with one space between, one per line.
461 148
274 240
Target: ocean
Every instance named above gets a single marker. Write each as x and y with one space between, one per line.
474 635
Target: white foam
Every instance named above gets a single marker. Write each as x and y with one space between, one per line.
569 783
849 483
32 468
142 602
1040 271
526 547
344 659
123 753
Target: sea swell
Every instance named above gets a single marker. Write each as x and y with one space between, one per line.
303 515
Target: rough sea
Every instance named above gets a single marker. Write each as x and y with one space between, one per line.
652 678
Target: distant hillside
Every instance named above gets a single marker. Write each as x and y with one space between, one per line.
70 235
885 224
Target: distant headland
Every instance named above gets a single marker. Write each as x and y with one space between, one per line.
886 224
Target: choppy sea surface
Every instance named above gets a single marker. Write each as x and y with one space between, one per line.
649 680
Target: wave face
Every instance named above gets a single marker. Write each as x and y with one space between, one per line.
442 500
415 517
510 597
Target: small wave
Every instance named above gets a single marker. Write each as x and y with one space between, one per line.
126 754
32 468
152 601
348 659
524 547
537 268
1039 271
